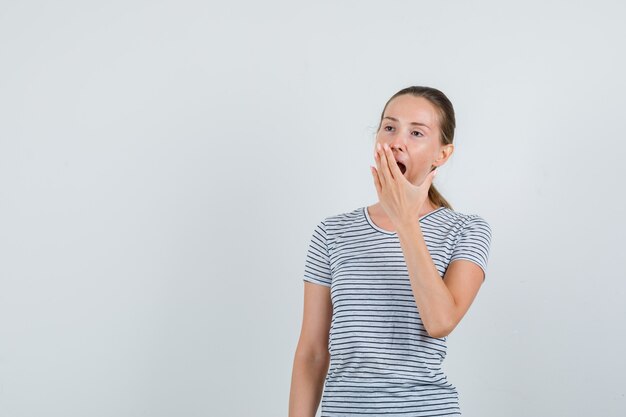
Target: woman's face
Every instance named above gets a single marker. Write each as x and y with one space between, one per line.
410 126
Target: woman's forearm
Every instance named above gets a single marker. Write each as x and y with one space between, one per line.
307 384
434 301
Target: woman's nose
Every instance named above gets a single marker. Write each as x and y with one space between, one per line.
397 142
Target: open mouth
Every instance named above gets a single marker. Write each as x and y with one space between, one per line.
401 166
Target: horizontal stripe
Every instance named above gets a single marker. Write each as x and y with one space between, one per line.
383 362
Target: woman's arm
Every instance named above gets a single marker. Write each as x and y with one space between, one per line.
311 361
442 303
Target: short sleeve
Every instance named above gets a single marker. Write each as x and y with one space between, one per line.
317 264
474 243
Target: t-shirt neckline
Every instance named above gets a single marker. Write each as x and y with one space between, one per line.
387 232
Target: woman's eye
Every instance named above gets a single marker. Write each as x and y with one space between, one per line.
418 133
390 127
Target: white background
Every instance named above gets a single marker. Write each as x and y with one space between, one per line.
163 164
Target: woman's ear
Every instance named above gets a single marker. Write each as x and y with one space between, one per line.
445 153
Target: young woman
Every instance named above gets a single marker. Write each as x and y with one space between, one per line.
387 283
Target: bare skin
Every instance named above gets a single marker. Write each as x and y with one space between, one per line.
312 359
380 218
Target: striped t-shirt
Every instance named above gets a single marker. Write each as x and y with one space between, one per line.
383 362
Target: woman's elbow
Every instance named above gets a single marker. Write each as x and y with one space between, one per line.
438 333
440 330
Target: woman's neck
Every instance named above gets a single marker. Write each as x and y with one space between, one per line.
377 210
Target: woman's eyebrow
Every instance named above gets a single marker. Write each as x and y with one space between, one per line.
412 123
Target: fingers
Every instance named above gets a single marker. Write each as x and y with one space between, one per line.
391 162
390 167
376 174
376 180
384 160
379 170
429 178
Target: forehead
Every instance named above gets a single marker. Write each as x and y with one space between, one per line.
408 108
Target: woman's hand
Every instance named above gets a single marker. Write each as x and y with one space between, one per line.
400 199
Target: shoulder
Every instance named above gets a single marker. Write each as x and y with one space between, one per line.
463 221
335 224
342 219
